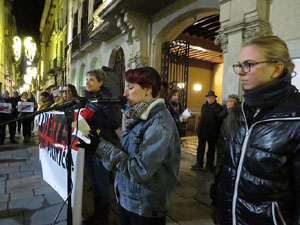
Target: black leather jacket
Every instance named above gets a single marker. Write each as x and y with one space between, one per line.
259 178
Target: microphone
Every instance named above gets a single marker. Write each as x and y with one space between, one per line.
81 101
119 100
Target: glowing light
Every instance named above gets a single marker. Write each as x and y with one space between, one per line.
32 71
24 88
30 48
180 85
28 63
17 44
197 87
27 79
197 48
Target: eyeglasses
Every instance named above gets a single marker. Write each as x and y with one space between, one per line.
246 66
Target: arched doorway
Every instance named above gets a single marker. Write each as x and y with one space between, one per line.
197 75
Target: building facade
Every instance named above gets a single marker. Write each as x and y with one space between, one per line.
53 28
124 34
8 66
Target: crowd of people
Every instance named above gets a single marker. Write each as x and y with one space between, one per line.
47 100
257 142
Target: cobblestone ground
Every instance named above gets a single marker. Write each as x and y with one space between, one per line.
26 199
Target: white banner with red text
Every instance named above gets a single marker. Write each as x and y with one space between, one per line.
52 129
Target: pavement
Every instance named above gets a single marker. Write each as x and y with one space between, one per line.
26 199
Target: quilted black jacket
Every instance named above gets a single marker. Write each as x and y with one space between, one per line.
259 178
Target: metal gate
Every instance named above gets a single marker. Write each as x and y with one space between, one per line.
175 66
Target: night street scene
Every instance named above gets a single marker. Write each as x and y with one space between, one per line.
138 112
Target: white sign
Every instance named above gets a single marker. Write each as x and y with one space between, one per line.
5 107
25 106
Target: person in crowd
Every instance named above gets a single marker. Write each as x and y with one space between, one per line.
258 180
102 119
147 164
57 96
17 98
69 92
31 98
208 131
232 101
26 124
46 100
7 117
175 110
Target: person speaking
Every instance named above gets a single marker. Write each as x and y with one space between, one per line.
147 164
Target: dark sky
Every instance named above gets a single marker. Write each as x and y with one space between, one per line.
28 15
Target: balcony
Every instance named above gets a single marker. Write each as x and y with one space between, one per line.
84 42
85 34
76 44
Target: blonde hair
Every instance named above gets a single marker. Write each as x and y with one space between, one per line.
274 49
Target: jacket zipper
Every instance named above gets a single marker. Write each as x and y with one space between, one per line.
274 214
275 206
245 142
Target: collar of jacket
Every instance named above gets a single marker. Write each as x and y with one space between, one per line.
106 92
286 108
145 114
87 93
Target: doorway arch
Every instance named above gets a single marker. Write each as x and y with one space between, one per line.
117 60
175 27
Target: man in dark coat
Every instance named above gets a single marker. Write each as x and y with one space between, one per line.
208 131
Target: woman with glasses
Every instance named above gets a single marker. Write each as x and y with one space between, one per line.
69 92
258 181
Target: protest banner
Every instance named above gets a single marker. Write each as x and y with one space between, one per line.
5 107
25 106
52 129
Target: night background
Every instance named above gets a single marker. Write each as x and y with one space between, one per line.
28 15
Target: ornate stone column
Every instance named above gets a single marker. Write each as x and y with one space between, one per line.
135 26
240 20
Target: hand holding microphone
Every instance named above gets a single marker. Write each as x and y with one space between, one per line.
95 140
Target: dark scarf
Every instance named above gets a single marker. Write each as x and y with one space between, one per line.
270 94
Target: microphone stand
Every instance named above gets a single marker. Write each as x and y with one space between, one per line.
69 113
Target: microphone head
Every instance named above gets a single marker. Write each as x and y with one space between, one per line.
123 101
